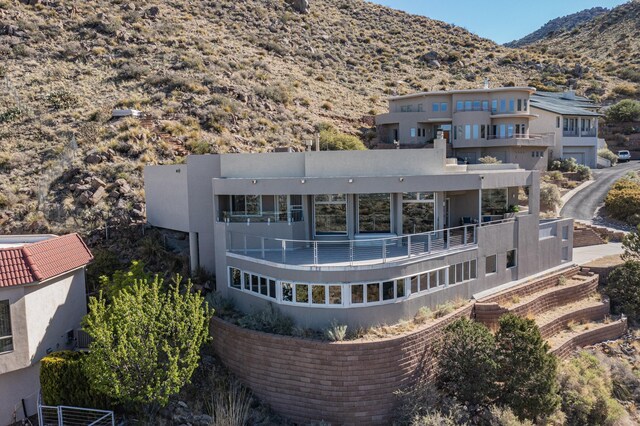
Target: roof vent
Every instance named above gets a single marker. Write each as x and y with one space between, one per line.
569 95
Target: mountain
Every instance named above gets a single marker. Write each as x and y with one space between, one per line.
564 23
211 77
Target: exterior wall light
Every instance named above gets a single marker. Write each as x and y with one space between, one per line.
302 181
350 180
401 179
254 181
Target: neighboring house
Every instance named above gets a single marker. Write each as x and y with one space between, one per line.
494 122
573 120
42 301
360 237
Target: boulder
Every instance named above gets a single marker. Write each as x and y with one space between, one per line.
84 198
98 195
301 6
152 12
93 158
430 56
97 183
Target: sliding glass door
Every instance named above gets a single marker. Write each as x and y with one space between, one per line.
374 213
330 214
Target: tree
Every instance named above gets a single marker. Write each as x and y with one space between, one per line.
333 140
625 110
526 370
122 280
467 365
631 245
146 342
623 289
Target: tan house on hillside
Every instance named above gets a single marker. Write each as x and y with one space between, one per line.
42 301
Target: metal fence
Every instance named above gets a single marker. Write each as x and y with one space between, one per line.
73 416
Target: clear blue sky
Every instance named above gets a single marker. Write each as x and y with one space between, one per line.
498 20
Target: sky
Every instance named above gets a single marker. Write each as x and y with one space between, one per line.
498 20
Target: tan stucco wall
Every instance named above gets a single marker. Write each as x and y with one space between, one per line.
15 386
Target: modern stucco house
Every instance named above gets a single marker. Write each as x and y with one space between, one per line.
42 301
360 237
514 124
573 121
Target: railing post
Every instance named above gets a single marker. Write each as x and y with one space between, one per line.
315 253
465 235
384 251
60 420
409 246
428 243
448 242
284 252
262 246
351 252
245 244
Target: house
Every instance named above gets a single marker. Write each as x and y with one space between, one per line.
496 122
359 237
42 301
573 120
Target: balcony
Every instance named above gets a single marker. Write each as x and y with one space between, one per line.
531 139
263 217
589 133
336 254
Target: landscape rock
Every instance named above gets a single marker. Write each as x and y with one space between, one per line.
93 158
152 12
301 6
98 195
84 198
97 183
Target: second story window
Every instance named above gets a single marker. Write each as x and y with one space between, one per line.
246 205
459 106
519 104
6 338
476 105
503 105
443 107
485 105
512 105
467 105
494 106
436 107
558 122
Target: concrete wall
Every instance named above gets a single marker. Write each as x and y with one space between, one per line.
167 196
16 386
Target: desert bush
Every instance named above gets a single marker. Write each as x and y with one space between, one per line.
332 140
586 392
269 320
625 89
584 172
607 154
61 99
132 72
568 165
623 289
549 197
336 332
173 81
623 199
555 175
625 110
230 406
278 93
489 160
630 73
10 114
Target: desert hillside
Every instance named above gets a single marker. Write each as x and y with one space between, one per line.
212 76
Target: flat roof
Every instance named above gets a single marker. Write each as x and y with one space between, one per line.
561 103
463 91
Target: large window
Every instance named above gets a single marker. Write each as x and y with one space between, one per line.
374 213
246 205
491 264
511 259
494 201
6 338
418 212
330 214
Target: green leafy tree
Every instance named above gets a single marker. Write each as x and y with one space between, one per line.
125 279
526 370
467 364
631 245
146 342
623 289
625 110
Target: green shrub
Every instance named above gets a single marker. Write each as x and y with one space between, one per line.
61 99
268 320
336 332
332 140
623 289
607 154
625 89
63 381
623 199
278 93
625 110
10 114
586 392
549 197
584 172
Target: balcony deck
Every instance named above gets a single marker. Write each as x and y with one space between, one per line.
318 254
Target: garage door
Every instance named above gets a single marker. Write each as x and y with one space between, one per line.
579 156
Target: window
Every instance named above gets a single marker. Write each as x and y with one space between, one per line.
287 292
491 265
318 294
519 104
246 205
476 133
335 295
373 292
235 278
420 107
330 214
565 253
526 104
6 338
494 106
483 132
388 291
413 132
357 293
558 122
473 266
467 105
374 213
494 201
485 105
476 105
512 105
565 233
400 288
510 130
418 212
443 107
503 105
511 259
460 106
302 293
436 107
467 131
503 131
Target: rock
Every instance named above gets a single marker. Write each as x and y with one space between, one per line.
183 404
152 12
93 158
97 183
84 198
430 56
70 174
123 186
79 189
114 194
203 420
434 64
136 213
98 195
129 6
301 6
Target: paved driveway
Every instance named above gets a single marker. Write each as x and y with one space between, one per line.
584 204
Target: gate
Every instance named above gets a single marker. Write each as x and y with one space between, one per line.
73 416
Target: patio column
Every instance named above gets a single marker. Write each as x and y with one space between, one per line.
194 254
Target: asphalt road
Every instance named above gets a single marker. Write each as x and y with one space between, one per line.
584 204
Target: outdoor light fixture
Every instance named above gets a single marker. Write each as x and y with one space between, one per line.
350 180
401 179
254 181
302 181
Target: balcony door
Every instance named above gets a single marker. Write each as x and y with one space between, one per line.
330 214
374 213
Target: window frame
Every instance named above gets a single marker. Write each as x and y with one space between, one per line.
9 337
514 262
495 264
244 213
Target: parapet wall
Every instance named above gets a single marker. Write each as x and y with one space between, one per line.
341 383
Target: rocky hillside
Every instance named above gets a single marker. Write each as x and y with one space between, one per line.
211 76
609 43
564 23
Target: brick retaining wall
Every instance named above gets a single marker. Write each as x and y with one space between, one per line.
342 383
593 313
608 332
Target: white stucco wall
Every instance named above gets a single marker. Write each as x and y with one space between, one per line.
167 197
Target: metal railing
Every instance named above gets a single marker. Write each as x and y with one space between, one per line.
73 416
363 250
531 136
264 217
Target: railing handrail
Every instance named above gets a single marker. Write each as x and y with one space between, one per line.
368 240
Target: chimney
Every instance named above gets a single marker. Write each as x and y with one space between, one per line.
486 83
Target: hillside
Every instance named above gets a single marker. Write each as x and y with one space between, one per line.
564 23
609 43
212 76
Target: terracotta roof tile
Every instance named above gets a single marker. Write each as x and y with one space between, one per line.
42 260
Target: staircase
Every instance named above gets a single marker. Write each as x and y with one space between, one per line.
590 235
176 144
565 305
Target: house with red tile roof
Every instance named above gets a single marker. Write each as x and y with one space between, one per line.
42 301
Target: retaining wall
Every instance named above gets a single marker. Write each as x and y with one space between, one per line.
342 383
607 332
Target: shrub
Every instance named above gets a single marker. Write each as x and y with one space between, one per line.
607 154
231 406
10 114
489 160
585 390
625 110
526 369
268 320
61 99
466 362
336 332
623 289
63 381
623 199
104 262
122 280
584 172
278 93
625 89
549 197
332 140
